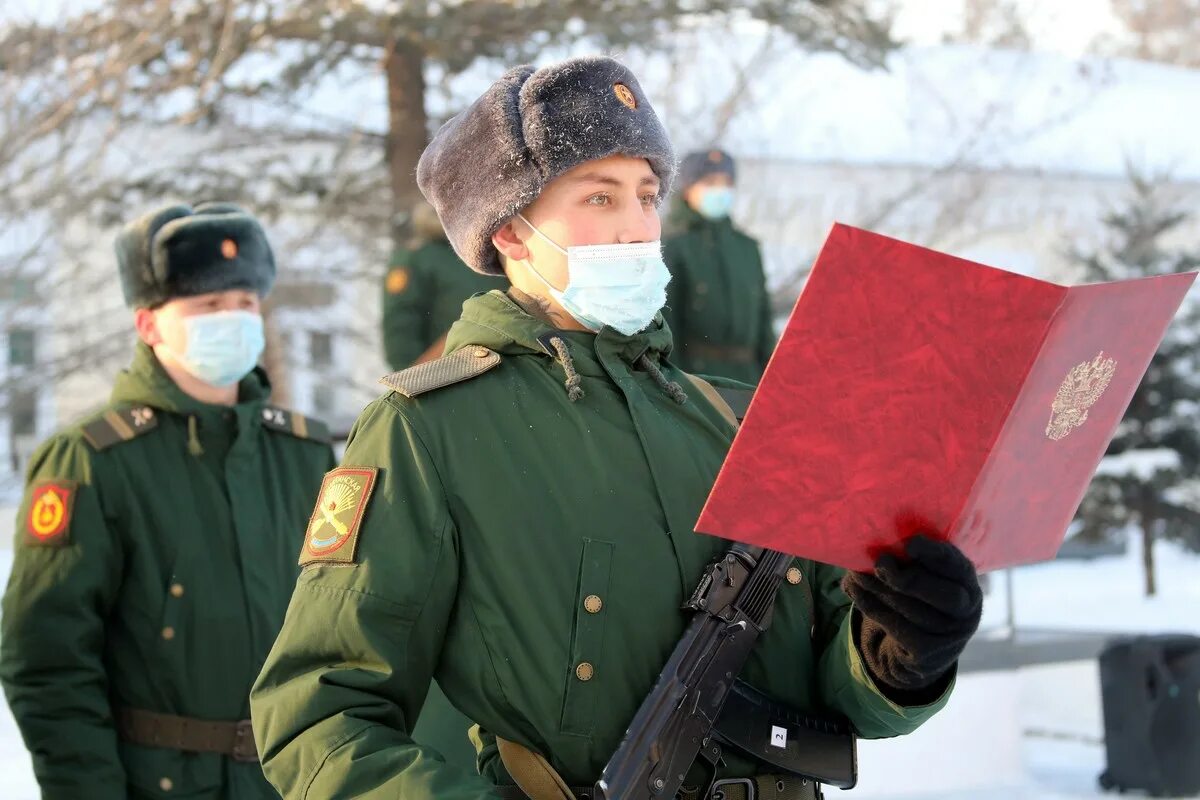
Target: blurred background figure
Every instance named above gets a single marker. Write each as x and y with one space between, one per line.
423 292
717 304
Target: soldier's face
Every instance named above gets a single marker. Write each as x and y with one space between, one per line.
717 180
164 325
611 200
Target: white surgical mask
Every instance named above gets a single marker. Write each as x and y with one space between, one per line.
619 285
222 347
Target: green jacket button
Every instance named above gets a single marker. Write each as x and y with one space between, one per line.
168 633
592 604
176 590
166 784
585 671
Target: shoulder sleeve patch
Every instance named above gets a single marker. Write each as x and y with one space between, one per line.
119 425
469 362
48 518
295 424
397 280
332 533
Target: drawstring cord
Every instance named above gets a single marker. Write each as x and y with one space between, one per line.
574 382
672 389
193 445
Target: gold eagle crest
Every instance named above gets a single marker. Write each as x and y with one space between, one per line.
1083 386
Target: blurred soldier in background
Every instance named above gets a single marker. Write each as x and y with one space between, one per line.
717 303
156 545
423 293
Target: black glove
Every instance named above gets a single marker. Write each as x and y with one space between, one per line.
917 614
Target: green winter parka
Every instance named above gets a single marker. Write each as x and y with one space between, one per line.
528 541
155 553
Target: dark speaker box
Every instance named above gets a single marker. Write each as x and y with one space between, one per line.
1150 686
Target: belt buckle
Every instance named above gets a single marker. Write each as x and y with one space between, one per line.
244 748
718 792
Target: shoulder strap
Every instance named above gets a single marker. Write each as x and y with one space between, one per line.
118 425
732 403
293 423
469 362
532 772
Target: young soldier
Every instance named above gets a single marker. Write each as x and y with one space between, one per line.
515 519
155 548
424 291
717 304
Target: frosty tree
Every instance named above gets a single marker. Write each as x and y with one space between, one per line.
203 64
1150 478
111 108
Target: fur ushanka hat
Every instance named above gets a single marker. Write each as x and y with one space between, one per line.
180 251
703 163
493 159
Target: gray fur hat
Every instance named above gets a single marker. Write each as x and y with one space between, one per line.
703 163
180 251
493 159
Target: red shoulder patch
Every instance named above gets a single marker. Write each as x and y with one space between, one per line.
51 502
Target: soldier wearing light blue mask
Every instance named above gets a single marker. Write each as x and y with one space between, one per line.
156 546
517 514
718 306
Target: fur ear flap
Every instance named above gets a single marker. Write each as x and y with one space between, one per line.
133 245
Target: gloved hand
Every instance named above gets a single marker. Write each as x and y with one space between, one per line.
917 614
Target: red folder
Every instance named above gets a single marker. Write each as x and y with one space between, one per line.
915 391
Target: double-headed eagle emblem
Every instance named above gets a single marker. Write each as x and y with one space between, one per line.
1084 385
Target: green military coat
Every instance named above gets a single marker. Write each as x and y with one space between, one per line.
717 301
155 554
423 293
531 553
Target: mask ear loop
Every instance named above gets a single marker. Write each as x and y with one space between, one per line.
534 228
529 263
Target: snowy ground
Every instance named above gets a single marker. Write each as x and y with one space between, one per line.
1030 734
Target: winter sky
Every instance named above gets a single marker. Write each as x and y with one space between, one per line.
1061 26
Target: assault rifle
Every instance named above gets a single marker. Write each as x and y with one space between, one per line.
698 707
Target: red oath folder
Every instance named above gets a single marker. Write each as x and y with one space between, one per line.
913 390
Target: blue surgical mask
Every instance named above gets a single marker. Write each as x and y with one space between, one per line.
222 347
716 202
619 285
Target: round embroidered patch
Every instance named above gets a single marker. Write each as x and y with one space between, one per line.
397 280
625 96
50 509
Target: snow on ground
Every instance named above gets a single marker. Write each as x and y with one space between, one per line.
1103 594
1031 734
